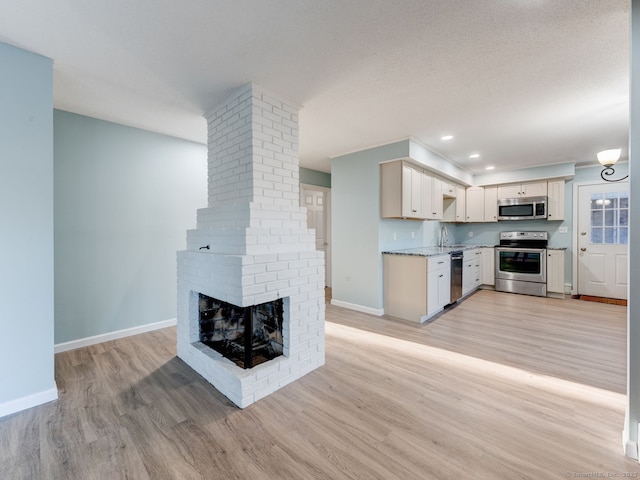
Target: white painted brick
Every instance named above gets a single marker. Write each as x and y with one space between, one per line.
253 204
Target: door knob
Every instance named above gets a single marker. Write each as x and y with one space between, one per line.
583 249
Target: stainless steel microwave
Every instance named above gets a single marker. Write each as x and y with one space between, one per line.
526 208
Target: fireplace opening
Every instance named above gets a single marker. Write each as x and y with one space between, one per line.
248 336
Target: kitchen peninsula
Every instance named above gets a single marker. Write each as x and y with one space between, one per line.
418 281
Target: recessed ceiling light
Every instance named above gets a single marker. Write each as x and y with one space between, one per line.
446 137
490 167
474 155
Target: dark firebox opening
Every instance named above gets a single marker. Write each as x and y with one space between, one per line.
248 336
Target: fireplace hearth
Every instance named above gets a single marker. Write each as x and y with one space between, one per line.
248 336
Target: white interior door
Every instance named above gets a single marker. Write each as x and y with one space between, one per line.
603 229
317 202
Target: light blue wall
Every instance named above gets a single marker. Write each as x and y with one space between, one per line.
124 199
314 177
26 214
355 213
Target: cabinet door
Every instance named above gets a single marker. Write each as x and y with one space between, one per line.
477 254
449 189
468 276
411 192
436 200
438 290
555 201
555 271
509 191
488 266
475 204
433 293
444 288
534 189
427 194
460 204
438 278
491 204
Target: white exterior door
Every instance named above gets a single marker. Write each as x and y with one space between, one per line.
317 202
603 229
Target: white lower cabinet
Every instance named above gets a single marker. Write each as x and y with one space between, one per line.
438 283
488 266
415 287
555 273
471 270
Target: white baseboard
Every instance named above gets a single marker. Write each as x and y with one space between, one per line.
19 404
358 308
105 337
631 449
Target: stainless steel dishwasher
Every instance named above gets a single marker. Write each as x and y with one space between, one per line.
456 276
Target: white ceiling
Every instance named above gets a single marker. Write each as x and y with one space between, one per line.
522 82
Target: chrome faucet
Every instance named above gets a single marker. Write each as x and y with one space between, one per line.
444 236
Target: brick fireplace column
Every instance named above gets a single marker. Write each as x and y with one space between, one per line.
252 245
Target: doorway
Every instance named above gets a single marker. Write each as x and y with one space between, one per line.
602 239
317 201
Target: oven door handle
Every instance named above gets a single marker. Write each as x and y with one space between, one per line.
519 249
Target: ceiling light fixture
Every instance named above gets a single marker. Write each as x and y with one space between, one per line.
446 137
490 167
608 159
474 155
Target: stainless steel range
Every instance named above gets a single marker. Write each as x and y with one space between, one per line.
521 263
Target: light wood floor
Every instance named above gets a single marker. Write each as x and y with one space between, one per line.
500 387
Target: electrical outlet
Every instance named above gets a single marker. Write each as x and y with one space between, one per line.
563 230
470 234
413 234
395 236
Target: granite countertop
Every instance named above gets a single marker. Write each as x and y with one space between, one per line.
433 251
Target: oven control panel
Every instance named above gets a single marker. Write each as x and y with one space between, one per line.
523 235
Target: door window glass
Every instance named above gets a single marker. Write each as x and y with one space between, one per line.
609 218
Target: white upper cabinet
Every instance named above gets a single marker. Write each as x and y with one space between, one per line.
412 188
475 204
410 192
515 190
555 200
401 191
461 199
491 204
449 190
454 207
433 198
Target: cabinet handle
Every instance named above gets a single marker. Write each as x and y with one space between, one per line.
440 263
441 276
414 211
